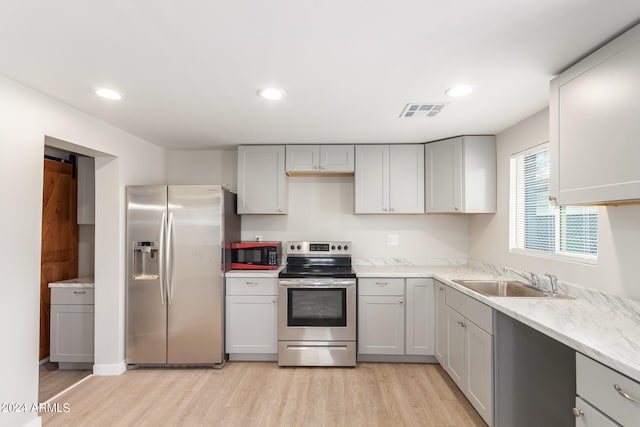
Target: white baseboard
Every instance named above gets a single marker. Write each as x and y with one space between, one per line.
36 422
109 370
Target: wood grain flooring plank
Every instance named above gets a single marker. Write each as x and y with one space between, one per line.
251 394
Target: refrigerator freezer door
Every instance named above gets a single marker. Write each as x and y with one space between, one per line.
195 278
146 315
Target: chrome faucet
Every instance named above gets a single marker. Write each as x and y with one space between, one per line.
535 280
554 282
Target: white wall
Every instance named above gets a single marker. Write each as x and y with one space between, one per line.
27 117
203 167
322 209
618 227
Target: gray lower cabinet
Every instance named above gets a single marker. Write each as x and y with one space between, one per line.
615 398
588 416
396 317
441 323
72 325
252 318
469 349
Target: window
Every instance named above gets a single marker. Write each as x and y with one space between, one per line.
537 226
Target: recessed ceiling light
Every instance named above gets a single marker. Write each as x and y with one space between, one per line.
109 94
271 93
459 90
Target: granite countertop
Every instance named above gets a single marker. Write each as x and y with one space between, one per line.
78 282
602 327
254 273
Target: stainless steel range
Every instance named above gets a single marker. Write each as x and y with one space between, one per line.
317 306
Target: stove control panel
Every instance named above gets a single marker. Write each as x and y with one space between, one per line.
318 248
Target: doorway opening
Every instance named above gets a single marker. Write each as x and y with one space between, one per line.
67 268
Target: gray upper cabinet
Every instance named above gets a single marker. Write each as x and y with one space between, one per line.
389 179
86 190
320 159
460 175
262 187
594 127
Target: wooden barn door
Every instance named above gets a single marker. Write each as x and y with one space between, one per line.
59 259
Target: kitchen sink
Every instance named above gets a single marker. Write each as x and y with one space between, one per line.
507 288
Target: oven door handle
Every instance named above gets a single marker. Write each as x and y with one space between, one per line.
335 283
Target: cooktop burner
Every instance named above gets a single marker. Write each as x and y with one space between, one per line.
318 259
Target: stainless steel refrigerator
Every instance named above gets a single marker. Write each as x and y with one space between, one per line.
178 249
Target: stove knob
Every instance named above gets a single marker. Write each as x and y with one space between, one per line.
333 247
299 247
292 247
346 247
339 247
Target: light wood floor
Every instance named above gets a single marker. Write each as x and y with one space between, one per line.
261 394
53 380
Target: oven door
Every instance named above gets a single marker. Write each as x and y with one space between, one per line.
317 309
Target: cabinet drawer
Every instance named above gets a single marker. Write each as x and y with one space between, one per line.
71 296
479 313
596 383
252 286
381 286
590 416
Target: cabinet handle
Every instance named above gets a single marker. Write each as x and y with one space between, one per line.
577 412
441 289
622 393
275 300
322 167
251 283
392 209
455 208
552 199
401 302
382 283
384 209
79 292
279 210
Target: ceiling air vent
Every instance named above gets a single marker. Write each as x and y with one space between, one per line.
422 110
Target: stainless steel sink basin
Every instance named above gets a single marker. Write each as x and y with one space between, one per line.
504 288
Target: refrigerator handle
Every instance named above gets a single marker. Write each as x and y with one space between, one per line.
170 260
161 260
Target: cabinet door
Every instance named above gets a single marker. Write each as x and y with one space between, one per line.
441 324
372 179
479 382
443 175
86 190
406 178
337 158
594 127
72 333
420 317
303 158
252 324
381 325
456 351
262 180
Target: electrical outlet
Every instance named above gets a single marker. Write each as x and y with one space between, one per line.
392 239
258 237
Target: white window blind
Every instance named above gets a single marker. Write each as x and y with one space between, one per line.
539 227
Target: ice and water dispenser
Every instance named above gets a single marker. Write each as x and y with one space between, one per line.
146 257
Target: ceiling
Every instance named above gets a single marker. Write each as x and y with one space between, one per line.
190 70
